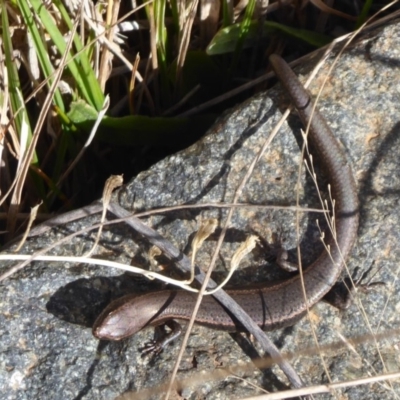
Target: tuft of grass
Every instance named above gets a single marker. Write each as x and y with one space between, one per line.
156 62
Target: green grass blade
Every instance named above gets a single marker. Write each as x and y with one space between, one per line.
41 50
84 77
244 31
88 74
364 13
18 109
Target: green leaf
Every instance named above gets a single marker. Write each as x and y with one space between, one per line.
225 41
140 130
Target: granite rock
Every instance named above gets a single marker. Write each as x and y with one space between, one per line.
46 309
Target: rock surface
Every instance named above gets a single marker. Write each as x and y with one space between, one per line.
46 309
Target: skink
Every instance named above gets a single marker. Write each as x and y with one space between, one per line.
276 305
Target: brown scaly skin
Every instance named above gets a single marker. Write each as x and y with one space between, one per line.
277 305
